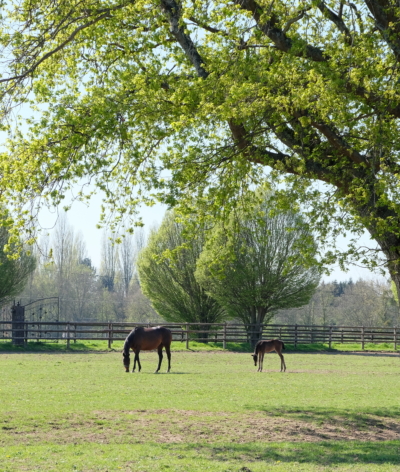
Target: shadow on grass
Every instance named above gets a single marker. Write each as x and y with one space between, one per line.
369 417
322 453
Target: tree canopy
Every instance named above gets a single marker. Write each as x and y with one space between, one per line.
166 269
14 272
189 100
256 264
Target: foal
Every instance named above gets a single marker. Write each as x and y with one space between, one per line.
268 346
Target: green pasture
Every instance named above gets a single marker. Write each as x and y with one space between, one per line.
80 411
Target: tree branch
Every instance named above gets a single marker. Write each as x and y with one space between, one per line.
172 11
336 19
339 143
387 19
208 28
59 47
277 35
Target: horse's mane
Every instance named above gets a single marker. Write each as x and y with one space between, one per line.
126 347
257 347
128 341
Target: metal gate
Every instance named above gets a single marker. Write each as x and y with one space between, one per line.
43 314
39 318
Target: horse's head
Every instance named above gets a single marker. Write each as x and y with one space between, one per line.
254 356
126 361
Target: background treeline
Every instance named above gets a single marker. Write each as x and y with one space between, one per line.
112 291
87 293
360 303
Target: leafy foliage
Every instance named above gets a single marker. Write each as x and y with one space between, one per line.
186 101
14 272
166 269
258 263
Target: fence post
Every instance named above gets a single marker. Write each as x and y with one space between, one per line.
18 324
362 337
224 339
74 333
295 335
330 336
67 329
187 335
110 334
395 337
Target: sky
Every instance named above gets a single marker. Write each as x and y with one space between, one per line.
84 219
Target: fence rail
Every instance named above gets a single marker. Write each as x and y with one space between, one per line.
203 332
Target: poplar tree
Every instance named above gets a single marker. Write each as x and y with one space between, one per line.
166 269
258 262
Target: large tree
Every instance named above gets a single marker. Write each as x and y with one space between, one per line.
14 272
255 264
166 269
213 93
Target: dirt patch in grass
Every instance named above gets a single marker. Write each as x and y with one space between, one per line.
175 426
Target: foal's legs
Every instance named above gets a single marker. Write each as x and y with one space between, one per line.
160 357
260 361
283 365
168 351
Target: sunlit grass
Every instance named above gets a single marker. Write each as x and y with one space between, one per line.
81 411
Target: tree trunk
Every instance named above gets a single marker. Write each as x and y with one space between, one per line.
391 248
255 331
255 327
383 224
203 336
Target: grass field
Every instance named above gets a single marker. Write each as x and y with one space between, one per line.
82 412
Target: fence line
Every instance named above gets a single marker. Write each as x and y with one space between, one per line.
185 332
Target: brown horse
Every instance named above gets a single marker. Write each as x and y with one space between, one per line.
147 339
268 346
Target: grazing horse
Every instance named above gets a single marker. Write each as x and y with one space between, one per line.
147 339
268 346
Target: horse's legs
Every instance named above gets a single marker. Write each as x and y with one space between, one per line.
138 361
134 363
168 351
160 357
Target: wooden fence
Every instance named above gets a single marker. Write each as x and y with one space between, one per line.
213 332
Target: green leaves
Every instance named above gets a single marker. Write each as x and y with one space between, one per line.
185 102
259 261
166 269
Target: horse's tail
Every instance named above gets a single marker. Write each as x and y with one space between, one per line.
283 345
